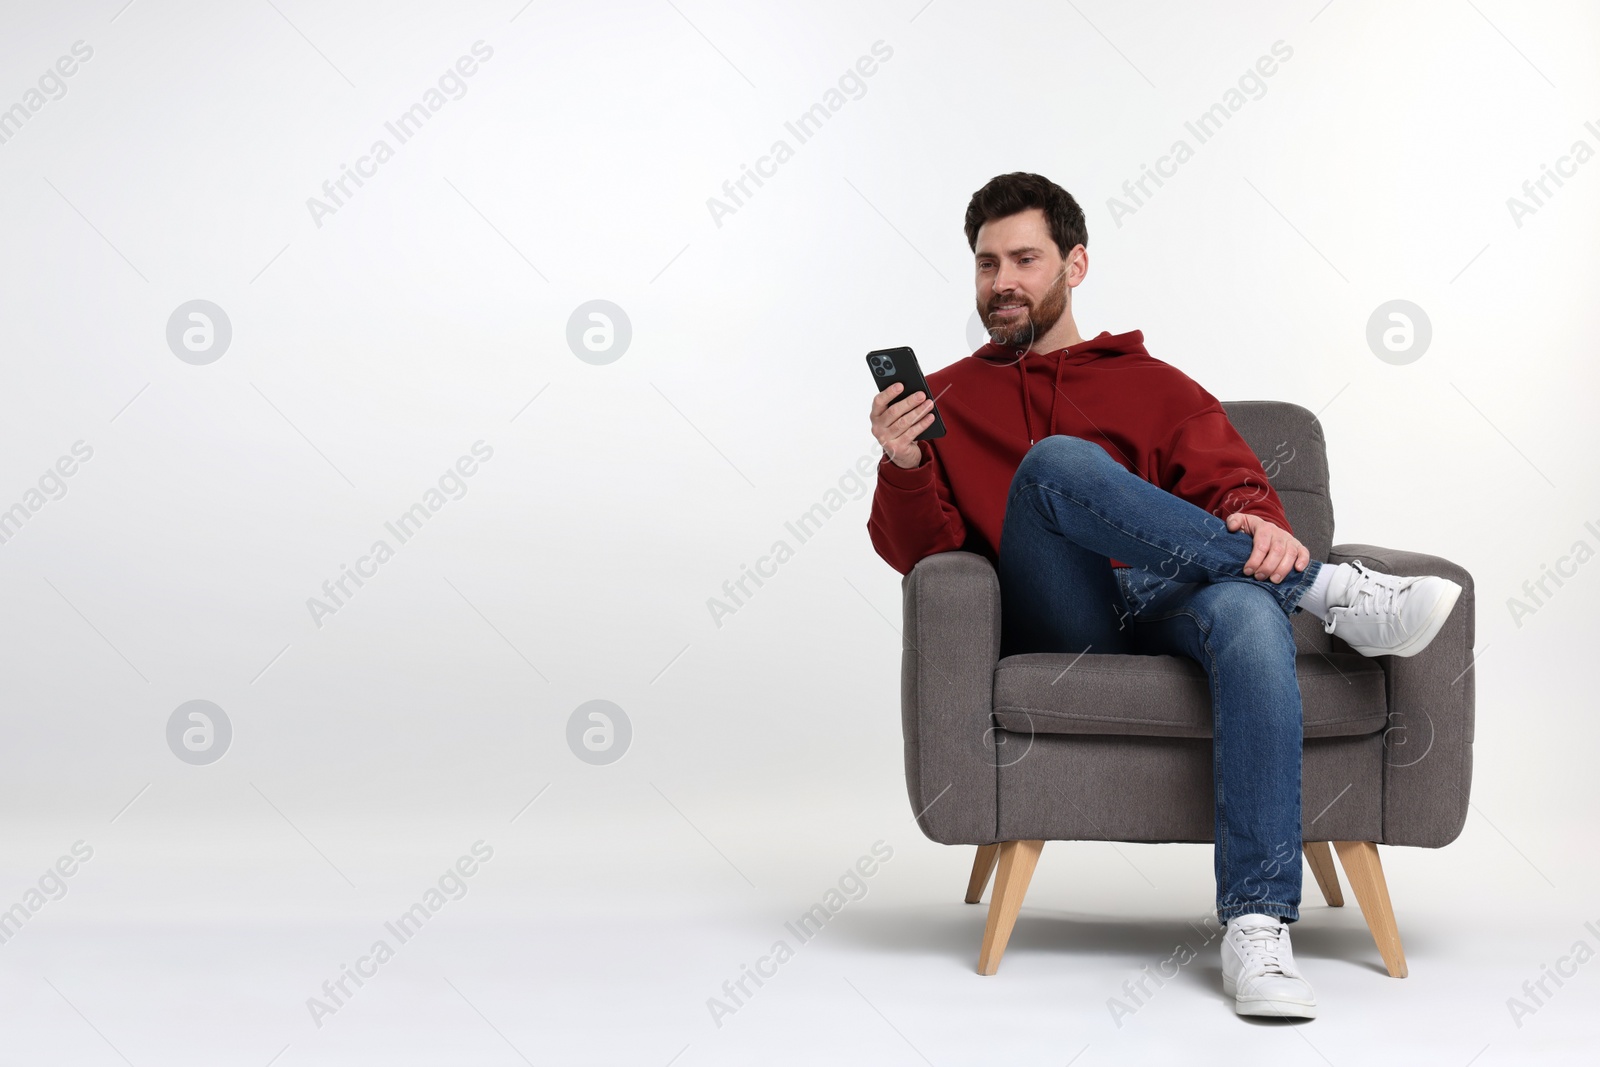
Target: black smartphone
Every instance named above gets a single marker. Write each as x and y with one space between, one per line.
890 365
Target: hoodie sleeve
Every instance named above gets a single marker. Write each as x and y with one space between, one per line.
1207 463
912 513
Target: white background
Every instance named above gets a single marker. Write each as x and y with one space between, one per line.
370 352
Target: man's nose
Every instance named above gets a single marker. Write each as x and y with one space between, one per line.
1004 278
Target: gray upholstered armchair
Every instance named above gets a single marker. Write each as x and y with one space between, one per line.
1009 753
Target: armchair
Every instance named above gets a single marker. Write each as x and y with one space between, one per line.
1007 753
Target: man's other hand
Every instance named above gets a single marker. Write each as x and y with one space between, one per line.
896 425
1276 550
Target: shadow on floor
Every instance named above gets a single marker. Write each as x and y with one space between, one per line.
955 931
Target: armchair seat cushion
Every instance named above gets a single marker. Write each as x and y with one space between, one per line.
1342 695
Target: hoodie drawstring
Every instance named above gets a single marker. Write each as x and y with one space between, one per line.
1027 406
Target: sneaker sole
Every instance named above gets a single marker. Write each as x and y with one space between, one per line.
1277 1009
1424 636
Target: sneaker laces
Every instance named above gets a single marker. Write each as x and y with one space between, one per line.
1260 944
1370 594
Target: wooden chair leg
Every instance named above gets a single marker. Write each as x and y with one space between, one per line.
1365 871
982 868
1321 860
1017 860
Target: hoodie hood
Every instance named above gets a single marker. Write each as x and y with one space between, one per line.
1052 364
1105 344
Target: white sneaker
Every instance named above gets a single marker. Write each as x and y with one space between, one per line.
1259 972
1386 615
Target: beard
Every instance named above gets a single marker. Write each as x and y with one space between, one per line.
1034 322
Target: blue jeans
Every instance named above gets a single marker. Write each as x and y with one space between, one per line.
1072 509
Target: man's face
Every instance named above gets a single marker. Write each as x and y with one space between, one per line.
1021 278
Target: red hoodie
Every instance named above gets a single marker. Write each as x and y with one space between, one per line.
1148 415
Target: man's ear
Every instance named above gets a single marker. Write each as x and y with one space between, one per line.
1077 265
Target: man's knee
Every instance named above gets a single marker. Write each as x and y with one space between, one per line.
1245 615
1062 456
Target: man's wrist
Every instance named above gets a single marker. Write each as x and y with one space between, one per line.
891 460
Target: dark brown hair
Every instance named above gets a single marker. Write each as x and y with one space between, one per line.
1019 191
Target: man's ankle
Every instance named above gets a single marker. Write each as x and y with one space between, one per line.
1325 588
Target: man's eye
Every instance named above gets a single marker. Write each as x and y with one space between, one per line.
1027 259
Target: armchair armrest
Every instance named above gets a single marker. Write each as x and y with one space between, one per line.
1427 774
950 646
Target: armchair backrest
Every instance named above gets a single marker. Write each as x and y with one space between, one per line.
1288 440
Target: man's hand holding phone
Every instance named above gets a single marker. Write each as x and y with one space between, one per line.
896 423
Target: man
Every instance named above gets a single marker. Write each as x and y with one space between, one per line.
1124 513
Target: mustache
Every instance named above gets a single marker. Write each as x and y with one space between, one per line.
1018 298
